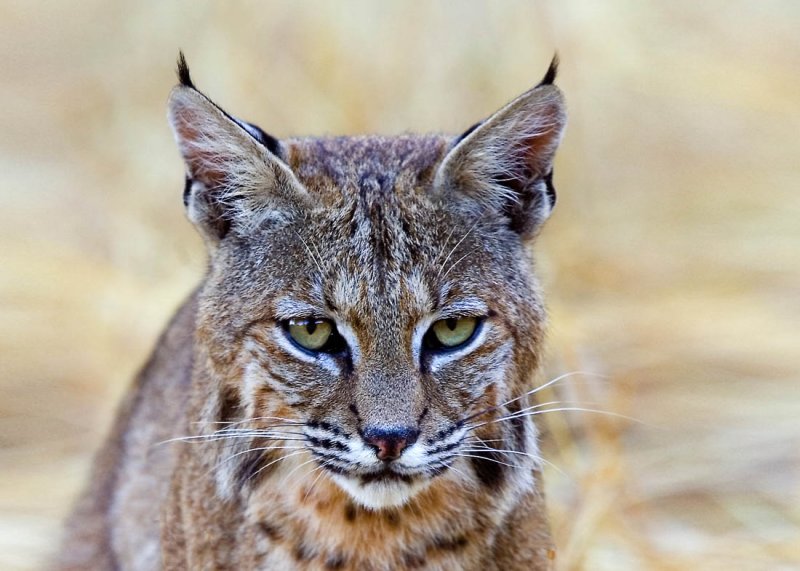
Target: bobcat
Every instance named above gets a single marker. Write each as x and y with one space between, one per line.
348 387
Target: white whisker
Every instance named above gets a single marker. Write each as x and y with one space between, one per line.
233 436
257 472
484 458
322 472
259 449
569 408
288 421
532 392
504 451
293 470
453 249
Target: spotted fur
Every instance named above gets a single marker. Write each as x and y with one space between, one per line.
269 461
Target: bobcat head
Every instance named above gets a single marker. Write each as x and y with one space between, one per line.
369 307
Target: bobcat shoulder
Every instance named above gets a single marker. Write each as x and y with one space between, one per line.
348 387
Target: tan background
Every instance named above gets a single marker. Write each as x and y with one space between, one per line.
671 264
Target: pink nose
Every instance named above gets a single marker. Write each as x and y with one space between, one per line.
389 444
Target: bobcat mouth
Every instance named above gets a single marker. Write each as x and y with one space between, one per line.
378 489
387 475
373 483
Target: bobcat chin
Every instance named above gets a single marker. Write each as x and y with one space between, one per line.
348 387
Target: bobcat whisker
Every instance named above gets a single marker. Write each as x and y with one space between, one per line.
557 469
266 431
531 392
293 470
453 249
259 449
310 253
535 457
202 439
257 430
503 450
264 467
321 469
287 421
495 460
446 240
219 435
572 408
555 402
533 407
450 466
454 264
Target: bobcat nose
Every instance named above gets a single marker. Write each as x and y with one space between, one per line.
389 443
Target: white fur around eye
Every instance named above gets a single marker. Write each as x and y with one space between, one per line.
328 362
438 360
350 338
474 307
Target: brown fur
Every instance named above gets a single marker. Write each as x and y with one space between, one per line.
382 236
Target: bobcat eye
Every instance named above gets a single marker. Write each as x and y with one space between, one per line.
450 333
313 334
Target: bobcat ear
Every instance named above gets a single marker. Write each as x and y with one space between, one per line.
235 178
505 163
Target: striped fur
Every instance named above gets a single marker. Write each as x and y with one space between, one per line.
383 236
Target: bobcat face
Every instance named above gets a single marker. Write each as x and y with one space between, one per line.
369 308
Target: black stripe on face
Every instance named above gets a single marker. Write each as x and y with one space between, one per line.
326 443
488 469
229 405
254 467
517 426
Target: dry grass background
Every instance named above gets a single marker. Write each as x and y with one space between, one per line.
671 264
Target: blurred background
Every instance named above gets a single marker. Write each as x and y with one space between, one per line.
671 264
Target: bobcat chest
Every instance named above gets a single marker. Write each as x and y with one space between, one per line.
314 526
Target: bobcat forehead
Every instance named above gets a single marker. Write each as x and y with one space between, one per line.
351 379
368 166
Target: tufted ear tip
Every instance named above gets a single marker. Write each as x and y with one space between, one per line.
184 77
552 71
235 178
506 162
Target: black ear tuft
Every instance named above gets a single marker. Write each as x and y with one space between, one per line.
183 72
550 77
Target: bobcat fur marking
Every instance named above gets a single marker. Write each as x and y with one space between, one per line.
340 391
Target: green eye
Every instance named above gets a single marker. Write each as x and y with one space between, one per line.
450 333
313 334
